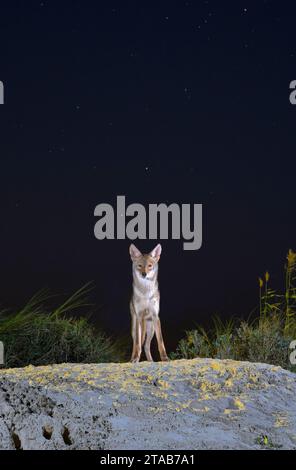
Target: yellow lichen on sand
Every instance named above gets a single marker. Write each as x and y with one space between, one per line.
281 420
239 404
209 379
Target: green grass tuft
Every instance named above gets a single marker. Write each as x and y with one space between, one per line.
264 339
38 335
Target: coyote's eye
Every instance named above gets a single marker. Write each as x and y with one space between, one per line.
149 265
139 266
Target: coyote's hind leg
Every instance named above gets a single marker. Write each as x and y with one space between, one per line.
160 343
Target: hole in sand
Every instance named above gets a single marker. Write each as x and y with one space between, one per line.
66 436
47 432
16 441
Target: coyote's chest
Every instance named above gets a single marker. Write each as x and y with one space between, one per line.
145 295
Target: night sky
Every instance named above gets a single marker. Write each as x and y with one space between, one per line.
170 101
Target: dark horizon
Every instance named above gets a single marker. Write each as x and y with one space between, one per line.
184 102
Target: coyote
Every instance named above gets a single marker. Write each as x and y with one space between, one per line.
144 303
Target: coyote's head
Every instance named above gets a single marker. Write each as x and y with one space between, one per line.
145 264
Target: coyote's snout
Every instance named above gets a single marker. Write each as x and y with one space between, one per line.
144 303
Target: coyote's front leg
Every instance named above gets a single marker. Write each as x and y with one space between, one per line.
136 335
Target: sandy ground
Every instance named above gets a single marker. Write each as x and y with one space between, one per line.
186 404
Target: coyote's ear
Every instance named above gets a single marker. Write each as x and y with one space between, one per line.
156 252
134 252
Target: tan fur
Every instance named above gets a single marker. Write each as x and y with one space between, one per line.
144 305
